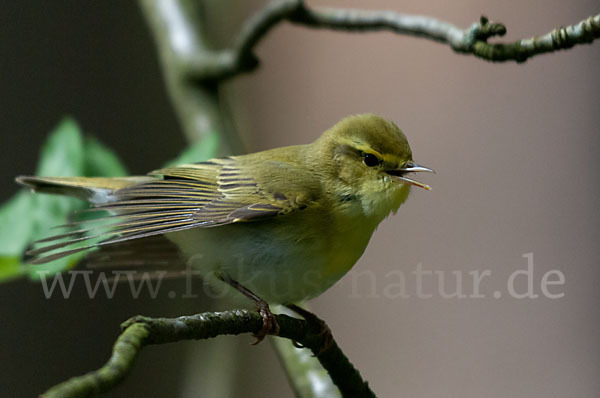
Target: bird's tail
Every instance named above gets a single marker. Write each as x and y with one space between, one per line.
93 189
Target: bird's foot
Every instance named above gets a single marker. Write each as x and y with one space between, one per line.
269 323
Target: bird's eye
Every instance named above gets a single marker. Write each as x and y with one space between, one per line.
370 159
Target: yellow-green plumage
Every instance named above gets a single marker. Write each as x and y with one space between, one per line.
286 223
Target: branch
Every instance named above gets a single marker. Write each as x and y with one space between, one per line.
584 32
178 30
142 331
305 374
472 40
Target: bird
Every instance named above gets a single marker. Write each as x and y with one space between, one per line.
280 226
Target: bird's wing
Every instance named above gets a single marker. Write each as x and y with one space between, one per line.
206 194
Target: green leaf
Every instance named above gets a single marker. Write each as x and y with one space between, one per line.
101 161
66 153
62 154
30 216
10 268
203 150
16 228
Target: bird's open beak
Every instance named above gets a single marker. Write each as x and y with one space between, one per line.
411 168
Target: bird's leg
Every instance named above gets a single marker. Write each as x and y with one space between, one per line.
324 330
270 325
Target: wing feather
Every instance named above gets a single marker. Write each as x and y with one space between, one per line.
207 194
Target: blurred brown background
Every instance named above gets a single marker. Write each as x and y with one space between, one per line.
515 148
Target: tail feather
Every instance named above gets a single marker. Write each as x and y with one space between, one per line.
93 189
132 216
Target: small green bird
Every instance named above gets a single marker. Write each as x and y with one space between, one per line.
281 226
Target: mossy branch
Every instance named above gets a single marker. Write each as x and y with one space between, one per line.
141 331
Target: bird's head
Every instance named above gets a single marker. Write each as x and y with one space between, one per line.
368 159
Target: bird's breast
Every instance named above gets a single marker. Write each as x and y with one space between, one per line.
283 261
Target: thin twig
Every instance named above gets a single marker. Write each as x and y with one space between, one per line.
142 331
240 57
583 32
